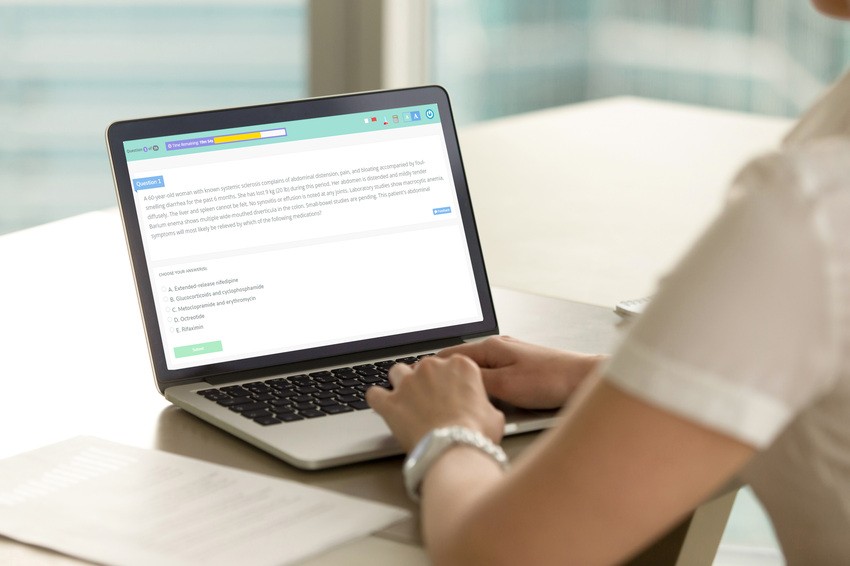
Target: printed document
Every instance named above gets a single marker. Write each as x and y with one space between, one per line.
116 504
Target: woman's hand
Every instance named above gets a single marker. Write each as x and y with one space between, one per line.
436 392
526 375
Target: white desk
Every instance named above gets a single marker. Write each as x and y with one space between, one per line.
567 202
593 202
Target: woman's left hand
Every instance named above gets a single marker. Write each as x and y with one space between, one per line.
436 392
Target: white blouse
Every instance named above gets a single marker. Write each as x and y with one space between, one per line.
750 334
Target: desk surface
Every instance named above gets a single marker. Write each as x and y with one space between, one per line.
543 187
593 202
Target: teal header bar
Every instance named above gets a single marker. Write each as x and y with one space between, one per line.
281 132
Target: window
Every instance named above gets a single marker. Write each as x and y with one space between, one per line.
70 68
500 57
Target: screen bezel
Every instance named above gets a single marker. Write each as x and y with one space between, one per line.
130 130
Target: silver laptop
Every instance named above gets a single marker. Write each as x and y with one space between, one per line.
286 255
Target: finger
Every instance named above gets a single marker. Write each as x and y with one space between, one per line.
479 352
397 373
377 397
486 353
452 350
494 381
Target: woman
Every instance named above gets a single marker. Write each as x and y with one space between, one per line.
741 366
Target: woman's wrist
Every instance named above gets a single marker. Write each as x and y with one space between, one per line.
436 443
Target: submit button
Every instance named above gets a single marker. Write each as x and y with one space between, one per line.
197 349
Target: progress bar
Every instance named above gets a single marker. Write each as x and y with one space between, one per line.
230 138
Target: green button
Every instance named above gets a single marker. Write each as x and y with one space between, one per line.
197 349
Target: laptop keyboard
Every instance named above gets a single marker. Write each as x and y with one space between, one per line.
306 395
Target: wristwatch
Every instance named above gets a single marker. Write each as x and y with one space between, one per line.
432 446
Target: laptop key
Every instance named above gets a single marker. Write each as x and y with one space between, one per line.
247 407
266 421
311 413
216 396
286 394
336 409
230 401
325 379
407 360
256 414
288 417
347 399
359 405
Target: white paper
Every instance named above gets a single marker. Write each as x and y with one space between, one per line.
121 505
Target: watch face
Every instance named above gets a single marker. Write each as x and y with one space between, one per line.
435 443
422 448
420 459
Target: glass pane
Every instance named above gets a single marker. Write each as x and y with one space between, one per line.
70 68
500 57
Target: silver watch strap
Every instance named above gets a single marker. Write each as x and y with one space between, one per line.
435 443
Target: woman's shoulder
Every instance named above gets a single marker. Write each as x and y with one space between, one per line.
810 173
828 117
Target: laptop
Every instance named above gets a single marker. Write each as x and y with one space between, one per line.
286 255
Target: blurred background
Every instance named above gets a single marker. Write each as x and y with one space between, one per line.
71 67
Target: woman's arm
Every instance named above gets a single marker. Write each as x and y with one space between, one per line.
614 475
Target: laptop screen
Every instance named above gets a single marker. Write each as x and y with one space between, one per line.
273 238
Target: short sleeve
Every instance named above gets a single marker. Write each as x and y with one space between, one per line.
738 337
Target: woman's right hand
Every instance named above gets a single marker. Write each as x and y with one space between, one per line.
527 375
